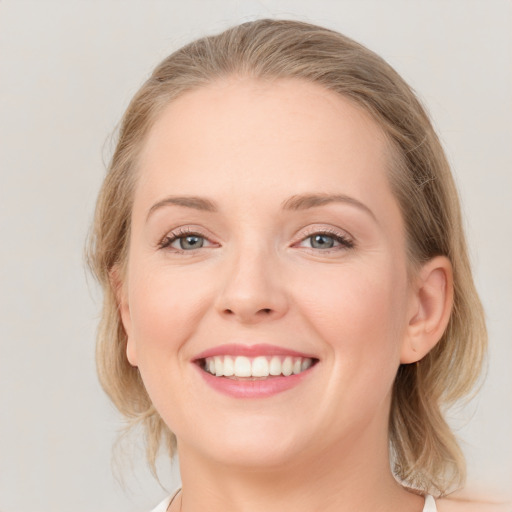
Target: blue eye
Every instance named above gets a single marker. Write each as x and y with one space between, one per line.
326 241
322 241
186 243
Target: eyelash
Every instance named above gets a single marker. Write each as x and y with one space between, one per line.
343 241
169 239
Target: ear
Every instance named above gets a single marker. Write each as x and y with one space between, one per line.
119 286
431 306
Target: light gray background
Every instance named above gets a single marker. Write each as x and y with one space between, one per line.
67 72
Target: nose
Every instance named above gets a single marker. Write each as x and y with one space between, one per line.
253 289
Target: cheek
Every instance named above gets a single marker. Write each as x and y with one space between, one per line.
165 308
359 315
359 311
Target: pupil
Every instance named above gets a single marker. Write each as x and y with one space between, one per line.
322 242
191 242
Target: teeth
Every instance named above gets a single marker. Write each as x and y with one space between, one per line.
275 366
261 366
287 366
243 367
219 366
306 363
229 366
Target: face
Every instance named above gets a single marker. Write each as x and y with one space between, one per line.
266 295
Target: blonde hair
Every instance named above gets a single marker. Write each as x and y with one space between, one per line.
424 450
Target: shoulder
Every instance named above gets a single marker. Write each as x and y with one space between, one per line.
465 504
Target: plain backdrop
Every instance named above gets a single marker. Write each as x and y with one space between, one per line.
67 72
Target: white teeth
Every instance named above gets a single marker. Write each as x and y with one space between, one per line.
229 366
261 366
243 367
219 366
287 366
305 364
275 366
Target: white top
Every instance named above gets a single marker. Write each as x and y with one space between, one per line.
162 507
430 504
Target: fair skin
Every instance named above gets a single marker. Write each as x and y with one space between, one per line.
263 216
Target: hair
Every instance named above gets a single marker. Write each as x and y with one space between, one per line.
425 453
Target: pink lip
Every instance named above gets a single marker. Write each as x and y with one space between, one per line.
253 388
246 388
261 349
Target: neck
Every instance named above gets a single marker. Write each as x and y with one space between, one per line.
352 476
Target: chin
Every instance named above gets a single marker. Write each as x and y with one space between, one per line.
260 443
254 457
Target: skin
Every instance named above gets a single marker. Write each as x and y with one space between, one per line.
248 147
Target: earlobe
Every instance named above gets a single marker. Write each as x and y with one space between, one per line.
119 288
431 309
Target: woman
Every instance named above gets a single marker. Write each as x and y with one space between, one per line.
288 299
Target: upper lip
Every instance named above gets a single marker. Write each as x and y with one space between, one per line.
259 349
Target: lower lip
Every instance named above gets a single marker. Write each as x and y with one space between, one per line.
253 388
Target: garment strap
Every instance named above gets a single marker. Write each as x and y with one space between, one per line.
430 504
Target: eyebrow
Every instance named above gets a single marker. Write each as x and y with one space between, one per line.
305 201
294 203
194 202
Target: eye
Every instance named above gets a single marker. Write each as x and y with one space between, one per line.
188 242
326 240
322 241
184 241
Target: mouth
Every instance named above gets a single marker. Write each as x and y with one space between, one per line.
255 368
253 371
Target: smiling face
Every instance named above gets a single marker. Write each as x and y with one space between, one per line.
266 297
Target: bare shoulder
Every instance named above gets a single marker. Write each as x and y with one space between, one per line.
455 504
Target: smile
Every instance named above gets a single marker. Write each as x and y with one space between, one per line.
259 367
253 371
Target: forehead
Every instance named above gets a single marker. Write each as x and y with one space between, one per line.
241 135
